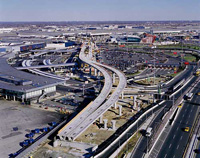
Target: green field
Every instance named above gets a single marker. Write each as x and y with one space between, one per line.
180 46
190 58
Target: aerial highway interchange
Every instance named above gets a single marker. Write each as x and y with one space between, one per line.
101 95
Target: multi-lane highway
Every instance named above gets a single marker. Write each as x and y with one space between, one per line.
177 139
142 147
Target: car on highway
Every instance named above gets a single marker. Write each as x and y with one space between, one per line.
198 93
180 105
187 129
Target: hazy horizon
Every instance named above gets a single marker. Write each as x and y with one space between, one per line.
90 10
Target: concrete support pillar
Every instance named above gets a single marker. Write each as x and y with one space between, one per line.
14 98
99 73
120 110
122 94
115 105
134 101
95 72
113 77
105 123
55 143
138 107
6 97
101 119
113 124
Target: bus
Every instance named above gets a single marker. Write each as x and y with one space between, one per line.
189 96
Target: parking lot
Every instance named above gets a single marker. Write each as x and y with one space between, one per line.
18 120
124 60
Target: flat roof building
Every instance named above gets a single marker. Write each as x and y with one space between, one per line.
23 86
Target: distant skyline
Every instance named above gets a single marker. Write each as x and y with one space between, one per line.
99 10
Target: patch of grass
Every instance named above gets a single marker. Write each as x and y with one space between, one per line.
174 74
185 46
130 145
190 58
133 74
171 54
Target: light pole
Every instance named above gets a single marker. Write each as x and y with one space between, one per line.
153 47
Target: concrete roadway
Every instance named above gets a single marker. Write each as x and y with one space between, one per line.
45 66
104 107
177 139
87 111
141 149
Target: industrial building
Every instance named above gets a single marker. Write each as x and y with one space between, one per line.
125 39
23 86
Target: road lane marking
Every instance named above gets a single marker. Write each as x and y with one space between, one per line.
181 137
187 122
174 136
177 147
170 145
165 155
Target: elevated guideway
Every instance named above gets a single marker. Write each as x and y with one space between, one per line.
90 108
104 107
45 66
27 63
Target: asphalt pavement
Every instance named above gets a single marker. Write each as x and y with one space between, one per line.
177 139
142 147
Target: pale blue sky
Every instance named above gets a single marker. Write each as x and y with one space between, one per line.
98 10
